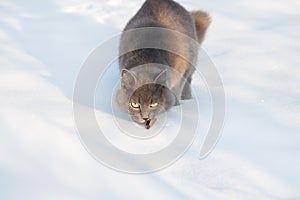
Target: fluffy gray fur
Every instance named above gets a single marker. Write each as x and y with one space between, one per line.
145 83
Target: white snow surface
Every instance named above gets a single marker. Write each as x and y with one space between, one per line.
255 47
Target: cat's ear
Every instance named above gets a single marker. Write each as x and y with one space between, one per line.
162 78
128 78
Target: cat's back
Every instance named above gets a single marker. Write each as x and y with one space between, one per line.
163 13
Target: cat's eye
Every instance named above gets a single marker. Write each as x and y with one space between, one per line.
135 105
153 105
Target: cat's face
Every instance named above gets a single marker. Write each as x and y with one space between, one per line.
144 95
148 101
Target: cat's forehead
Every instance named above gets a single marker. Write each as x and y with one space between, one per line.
147 73
146 93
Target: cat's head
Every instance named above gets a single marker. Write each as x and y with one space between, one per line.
145 95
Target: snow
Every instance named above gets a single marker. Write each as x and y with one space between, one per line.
254 45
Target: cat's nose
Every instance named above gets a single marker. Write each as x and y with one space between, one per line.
145 119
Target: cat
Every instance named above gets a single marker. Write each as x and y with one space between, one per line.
148 86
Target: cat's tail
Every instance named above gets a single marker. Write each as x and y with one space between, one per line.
202 22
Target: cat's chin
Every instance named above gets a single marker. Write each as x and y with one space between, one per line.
147 123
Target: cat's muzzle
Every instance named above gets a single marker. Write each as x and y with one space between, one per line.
148 122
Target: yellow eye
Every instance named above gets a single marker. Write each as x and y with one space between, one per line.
153 104
135 105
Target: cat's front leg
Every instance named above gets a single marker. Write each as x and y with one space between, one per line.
187 91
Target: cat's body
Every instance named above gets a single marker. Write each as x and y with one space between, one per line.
148 89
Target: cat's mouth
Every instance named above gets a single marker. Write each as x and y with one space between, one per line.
148 123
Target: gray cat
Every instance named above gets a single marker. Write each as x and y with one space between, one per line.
154 80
